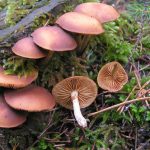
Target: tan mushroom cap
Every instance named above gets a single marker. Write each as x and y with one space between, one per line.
9 117
26 48
112 77
53 38
102 12
31 98
13 81
86 88
79 23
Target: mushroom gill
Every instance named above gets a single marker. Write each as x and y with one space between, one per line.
112 77
74 93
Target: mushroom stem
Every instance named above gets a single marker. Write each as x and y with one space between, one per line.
76 108
47 58
84 43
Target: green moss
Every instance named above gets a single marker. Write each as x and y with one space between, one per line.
3 4
19 66
15 10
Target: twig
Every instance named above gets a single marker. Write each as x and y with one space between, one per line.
137 77
56 141
139 83
141 93
136 138
120 109
43 132
145 67
118 105
59 145
48 126
145 84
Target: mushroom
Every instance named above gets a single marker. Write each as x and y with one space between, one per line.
31 98
14 81
102 12
53 38
26 48
79 23
74 93
9 117
112 77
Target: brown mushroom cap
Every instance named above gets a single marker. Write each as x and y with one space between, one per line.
112 77
13 81
31 98
53 38
26 48
86 88
9 117
102 12
79 23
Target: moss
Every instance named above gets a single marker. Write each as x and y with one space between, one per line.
3 4
15 10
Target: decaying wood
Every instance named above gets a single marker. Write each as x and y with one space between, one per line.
8 33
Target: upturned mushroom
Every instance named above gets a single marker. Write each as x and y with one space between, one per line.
102 12
74 93
112 77
27 49
14 81
9 117
31 98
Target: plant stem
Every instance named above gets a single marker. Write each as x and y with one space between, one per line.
76 108
47 58
118 105
85 43
121 108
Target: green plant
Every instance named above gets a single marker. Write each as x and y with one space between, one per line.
114 43
17 9
43 145
19 66
2 4
98 138
138 9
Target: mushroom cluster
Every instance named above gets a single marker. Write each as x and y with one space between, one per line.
74 92
85 19
14 103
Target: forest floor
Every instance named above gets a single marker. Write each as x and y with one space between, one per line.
126 40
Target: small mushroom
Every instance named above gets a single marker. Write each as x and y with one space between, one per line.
74 93
112 77
9 117
53 38
31 98
102 12
14 81
79 23
26 48
82 24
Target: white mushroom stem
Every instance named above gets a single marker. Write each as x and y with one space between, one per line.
76 108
